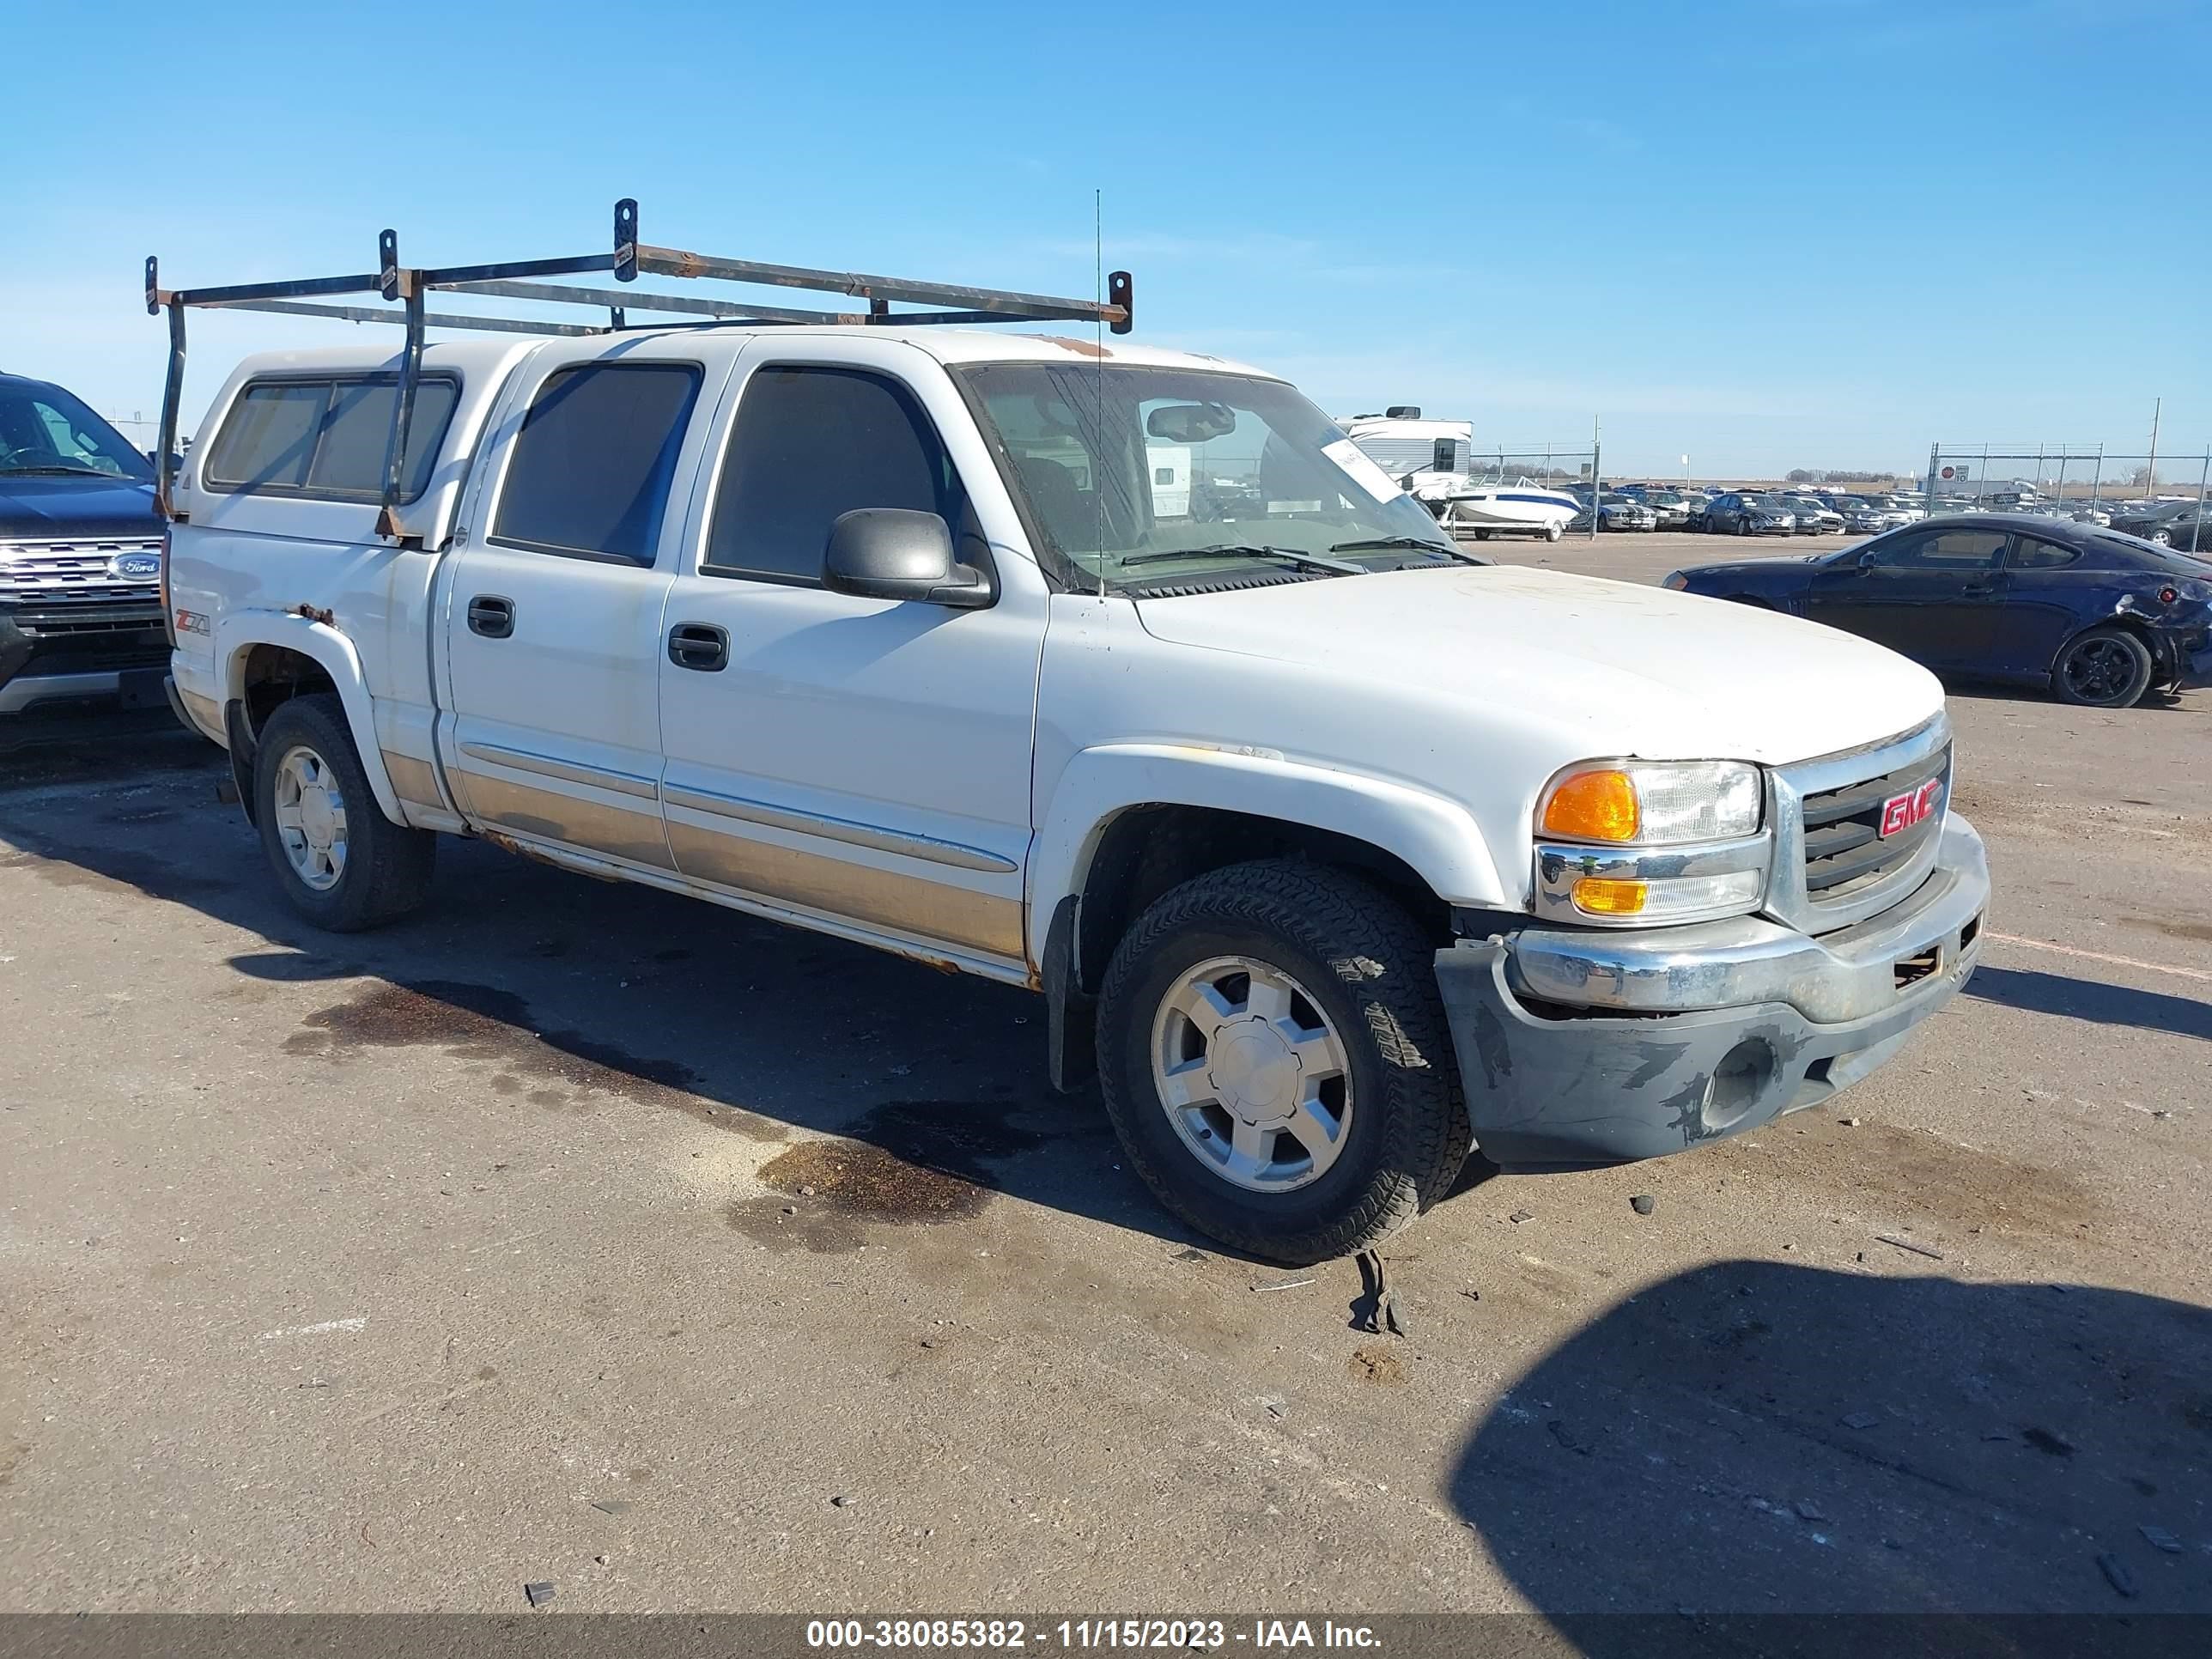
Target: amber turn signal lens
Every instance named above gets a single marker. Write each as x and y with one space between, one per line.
1598 897
1593 807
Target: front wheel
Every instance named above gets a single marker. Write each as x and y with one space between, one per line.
341 863
2105 668
1275 1061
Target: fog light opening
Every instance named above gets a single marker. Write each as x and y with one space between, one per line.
1738 1082
1908 972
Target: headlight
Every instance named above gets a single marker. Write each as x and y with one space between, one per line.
1626 843
1653 802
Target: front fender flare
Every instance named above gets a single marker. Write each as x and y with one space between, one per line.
1438 838
240 631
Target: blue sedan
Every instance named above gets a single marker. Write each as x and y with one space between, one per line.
2095 616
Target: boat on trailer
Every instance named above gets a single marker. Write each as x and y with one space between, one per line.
1434 462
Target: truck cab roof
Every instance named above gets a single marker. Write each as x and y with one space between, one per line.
949 346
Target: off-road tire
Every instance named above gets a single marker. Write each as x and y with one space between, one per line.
1371 970
2128 693
387 865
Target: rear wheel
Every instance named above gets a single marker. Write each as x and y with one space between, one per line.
2105 668
1553 531
341 863
1275 1061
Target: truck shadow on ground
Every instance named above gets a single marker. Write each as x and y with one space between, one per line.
1752 1438
560 995
2091 1001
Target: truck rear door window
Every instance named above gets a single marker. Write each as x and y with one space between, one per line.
592 464
328 439
811 444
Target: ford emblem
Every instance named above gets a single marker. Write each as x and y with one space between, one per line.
136 567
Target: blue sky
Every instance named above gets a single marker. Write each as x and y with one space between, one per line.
1797 233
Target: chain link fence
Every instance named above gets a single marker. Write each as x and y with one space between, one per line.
2160 497
1516 492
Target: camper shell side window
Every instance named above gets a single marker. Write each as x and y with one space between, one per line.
326 437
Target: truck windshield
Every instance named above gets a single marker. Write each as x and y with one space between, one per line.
1120 470
44 430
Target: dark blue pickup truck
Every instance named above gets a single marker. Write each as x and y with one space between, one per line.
80 558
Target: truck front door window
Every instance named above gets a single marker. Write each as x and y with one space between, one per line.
592 465
811 444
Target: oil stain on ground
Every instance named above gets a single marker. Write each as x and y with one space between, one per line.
1378 1365
2200 932
477 1021
906 1162
1913 1175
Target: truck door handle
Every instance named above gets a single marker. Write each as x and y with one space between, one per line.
699 645
491 617
1978 590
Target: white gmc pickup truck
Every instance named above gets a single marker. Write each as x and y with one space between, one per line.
1114 672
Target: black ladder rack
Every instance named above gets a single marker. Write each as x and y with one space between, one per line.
393 281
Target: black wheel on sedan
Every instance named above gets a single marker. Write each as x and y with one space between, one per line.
2105 668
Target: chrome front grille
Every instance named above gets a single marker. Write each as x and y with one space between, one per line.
60 573
1844 848
1832 866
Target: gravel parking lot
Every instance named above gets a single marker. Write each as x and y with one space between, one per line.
579 1233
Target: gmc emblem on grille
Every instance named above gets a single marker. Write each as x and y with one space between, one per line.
1901 812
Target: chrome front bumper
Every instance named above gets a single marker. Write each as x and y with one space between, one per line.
1587 1047
1843 976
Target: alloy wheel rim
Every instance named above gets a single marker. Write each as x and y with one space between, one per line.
2099 668
311 818
1255 1078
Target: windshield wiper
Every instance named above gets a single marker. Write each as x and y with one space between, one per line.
66 471
1376 544
1248 550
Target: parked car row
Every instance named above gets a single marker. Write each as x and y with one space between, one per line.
2186 524
1615 510
1760 511
2183 521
